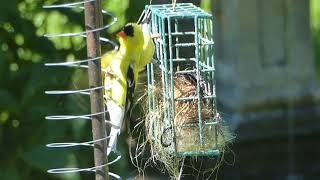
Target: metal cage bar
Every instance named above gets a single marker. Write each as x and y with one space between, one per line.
171 57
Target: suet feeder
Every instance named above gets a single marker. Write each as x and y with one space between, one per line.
182 118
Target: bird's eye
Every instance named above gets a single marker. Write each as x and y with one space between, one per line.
128 30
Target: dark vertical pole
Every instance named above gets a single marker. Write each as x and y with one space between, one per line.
93 20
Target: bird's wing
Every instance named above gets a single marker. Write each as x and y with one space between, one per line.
147 53
148 46
130 90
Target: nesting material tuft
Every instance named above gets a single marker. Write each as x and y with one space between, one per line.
187 118
160 134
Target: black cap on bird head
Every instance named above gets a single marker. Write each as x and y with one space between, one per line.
127 30
131 38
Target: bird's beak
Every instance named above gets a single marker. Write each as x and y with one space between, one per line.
121 34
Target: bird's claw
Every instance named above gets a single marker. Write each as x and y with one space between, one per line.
155 36
108 72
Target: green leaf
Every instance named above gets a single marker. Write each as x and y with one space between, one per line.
10 173
7 100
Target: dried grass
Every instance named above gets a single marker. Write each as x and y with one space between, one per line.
160 135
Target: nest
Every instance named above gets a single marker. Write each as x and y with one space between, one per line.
160 134
186 120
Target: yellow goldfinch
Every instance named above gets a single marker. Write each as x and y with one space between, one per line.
121 65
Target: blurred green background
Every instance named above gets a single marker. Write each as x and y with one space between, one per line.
24 78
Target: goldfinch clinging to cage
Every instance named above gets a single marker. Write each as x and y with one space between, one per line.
121 79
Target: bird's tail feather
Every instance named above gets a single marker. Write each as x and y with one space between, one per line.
116 114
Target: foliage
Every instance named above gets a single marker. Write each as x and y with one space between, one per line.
24 78
315 26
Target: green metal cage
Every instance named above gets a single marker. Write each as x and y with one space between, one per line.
184 48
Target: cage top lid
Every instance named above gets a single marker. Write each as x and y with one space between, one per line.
181 10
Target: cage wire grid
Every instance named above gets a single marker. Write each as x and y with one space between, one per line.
80 64
168 23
